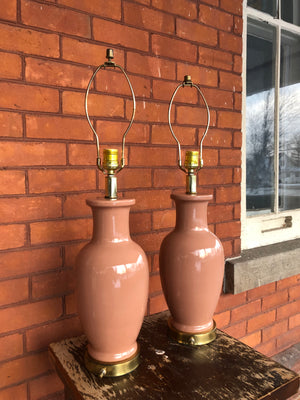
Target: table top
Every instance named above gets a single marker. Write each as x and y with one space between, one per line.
225 369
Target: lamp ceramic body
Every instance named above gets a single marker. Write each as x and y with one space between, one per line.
112 283
191 267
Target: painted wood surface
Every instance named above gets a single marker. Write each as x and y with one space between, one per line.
225 369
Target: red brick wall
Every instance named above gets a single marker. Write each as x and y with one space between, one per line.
48 50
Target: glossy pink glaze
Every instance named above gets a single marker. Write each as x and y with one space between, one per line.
191 266
113 280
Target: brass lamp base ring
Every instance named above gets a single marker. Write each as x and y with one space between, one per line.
104 369
194 339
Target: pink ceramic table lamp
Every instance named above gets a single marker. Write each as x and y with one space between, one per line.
191 257
112 270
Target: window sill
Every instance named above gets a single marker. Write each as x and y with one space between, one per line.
262 265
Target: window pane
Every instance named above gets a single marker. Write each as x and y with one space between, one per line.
290 11
267 6
289 123
260 117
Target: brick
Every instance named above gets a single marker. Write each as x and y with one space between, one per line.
215 58
294 292
52 284
261 291
155 263
275 299
149 19
149 111
99 105
8 10
13 291
135 178
261 321
11 124
164 219
228 194
150 199
173 48
215 176
245 311
154 284
237 139
10 66
253 339
218 138
287 282
24 209
82 154
60 231
11 346
218 99
230 42
161 134
139 222
237 330
229 81
237 211
40 337
238 25
151 66
218 213
275 330
25 97
22 316
110 9
222 319
184 8
52 180
55 18
112 131
52 127
194 116
45 385
22 369
288 339
228 119
152 156
28 41
269 349
71 303
56 73
200 75
212 2
163 90
216 18
74 205
234 7
13 393
113 82
117 34
288 309
228 229
157 304
230 157
194 31
26 153
237 247
71 252
12 182
150 242
12 236
237 64
168 177
238 101
229 301
87 53
294 321
18 263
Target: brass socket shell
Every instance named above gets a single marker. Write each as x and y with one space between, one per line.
191 159
110 159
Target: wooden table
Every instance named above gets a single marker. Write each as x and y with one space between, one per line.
225 369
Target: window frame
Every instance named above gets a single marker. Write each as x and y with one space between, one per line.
269 228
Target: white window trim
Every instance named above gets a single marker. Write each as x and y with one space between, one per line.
264 229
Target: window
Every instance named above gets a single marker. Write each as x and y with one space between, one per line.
271 149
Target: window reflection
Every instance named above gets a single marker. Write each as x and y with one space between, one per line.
267 6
